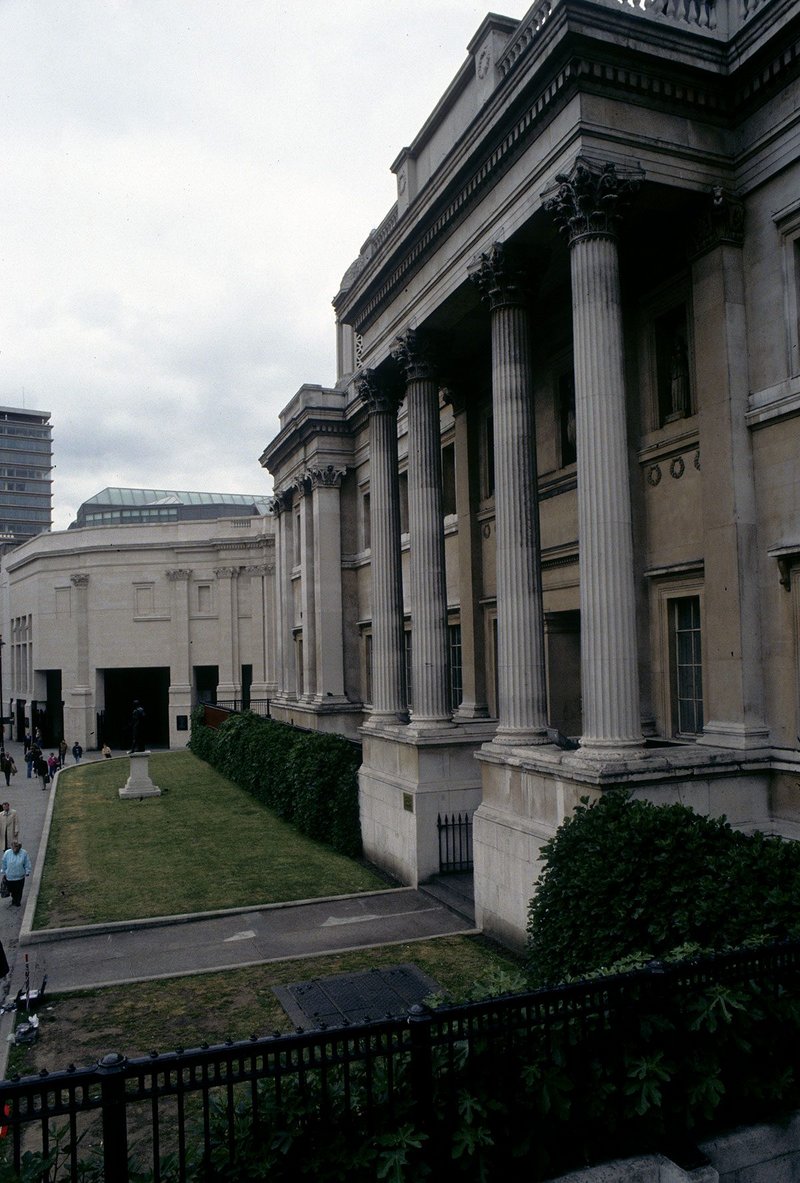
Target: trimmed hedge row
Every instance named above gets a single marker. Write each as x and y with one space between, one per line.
307 778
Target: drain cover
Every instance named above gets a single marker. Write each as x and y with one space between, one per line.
355 998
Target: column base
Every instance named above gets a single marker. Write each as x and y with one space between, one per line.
734 735
508 737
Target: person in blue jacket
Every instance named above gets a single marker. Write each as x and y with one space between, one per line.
16 868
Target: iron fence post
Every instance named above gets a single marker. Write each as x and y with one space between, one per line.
419 1022
115 1124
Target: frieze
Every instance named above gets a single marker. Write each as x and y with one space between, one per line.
590 200
79 580
226 572
178 573
722 222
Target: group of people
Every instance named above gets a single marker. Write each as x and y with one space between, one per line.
41 767
16 864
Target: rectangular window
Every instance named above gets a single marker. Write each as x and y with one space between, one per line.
449 480
368 667
454 648
204 597
145 599
686 666
366 523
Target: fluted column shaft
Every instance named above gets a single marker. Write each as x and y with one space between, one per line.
389 699
587 204
307 598
179 590
429 665
286 674
328 613
521 681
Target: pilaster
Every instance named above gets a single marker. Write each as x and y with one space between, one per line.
326 484
180 688
285 673
731 626
229 686
308 615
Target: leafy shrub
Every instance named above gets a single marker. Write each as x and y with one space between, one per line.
307 778
626 879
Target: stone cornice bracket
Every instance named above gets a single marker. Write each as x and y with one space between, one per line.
328 477
178 573
378 395
79 580
721 222
226 572
413 352
499 277
589 201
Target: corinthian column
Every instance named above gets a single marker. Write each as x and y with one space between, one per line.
229 686
430 706
388 656
286 675
586 204
521 684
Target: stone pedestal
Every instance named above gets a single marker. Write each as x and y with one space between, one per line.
139 784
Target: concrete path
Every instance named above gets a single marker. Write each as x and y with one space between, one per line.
102 955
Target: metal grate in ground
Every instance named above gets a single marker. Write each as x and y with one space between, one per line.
355 998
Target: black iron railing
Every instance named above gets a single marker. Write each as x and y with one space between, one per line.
353 1084
259 706
455 842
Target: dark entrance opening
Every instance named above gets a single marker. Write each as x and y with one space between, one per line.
151 688
206 678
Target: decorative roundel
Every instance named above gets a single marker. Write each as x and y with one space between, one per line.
654 475
677 468
487 529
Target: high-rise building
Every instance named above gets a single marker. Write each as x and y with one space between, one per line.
26 464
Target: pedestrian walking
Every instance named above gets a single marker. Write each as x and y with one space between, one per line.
52 765
7 766
16 867
77 752
62 753
42 771
29 759
9 826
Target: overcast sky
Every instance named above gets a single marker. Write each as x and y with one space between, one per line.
183 184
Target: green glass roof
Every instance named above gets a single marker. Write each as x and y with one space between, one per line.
146 497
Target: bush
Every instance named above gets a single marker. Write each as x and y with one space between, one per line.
307 778
629 880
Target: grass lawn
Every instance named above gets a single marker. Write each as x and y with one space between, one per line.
203 844
140 1017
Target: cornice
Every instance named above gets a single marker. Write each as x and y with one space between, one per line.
583 50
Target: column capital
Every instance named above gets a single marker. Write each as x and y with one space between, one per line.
178 573
281 500
260 569
414 353
588 201
379 394
226 572
81 580
329 477
722 221
500 276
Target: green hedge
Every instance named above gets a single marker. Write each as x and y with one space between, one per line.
307 778
625 881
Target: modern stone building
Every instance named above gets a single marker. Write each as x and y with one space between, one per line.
554 490
171 614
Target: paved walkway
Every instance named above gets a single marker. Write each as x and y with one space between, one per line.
102 955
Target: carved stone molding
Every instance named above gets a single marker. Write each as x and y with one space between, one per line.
328 477
260 569
226 572
380 396
721 222
414 354
79 580
178 573
499 277
590 200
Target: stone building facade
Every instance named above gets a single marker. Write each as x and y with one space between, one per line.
554 490
171 614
